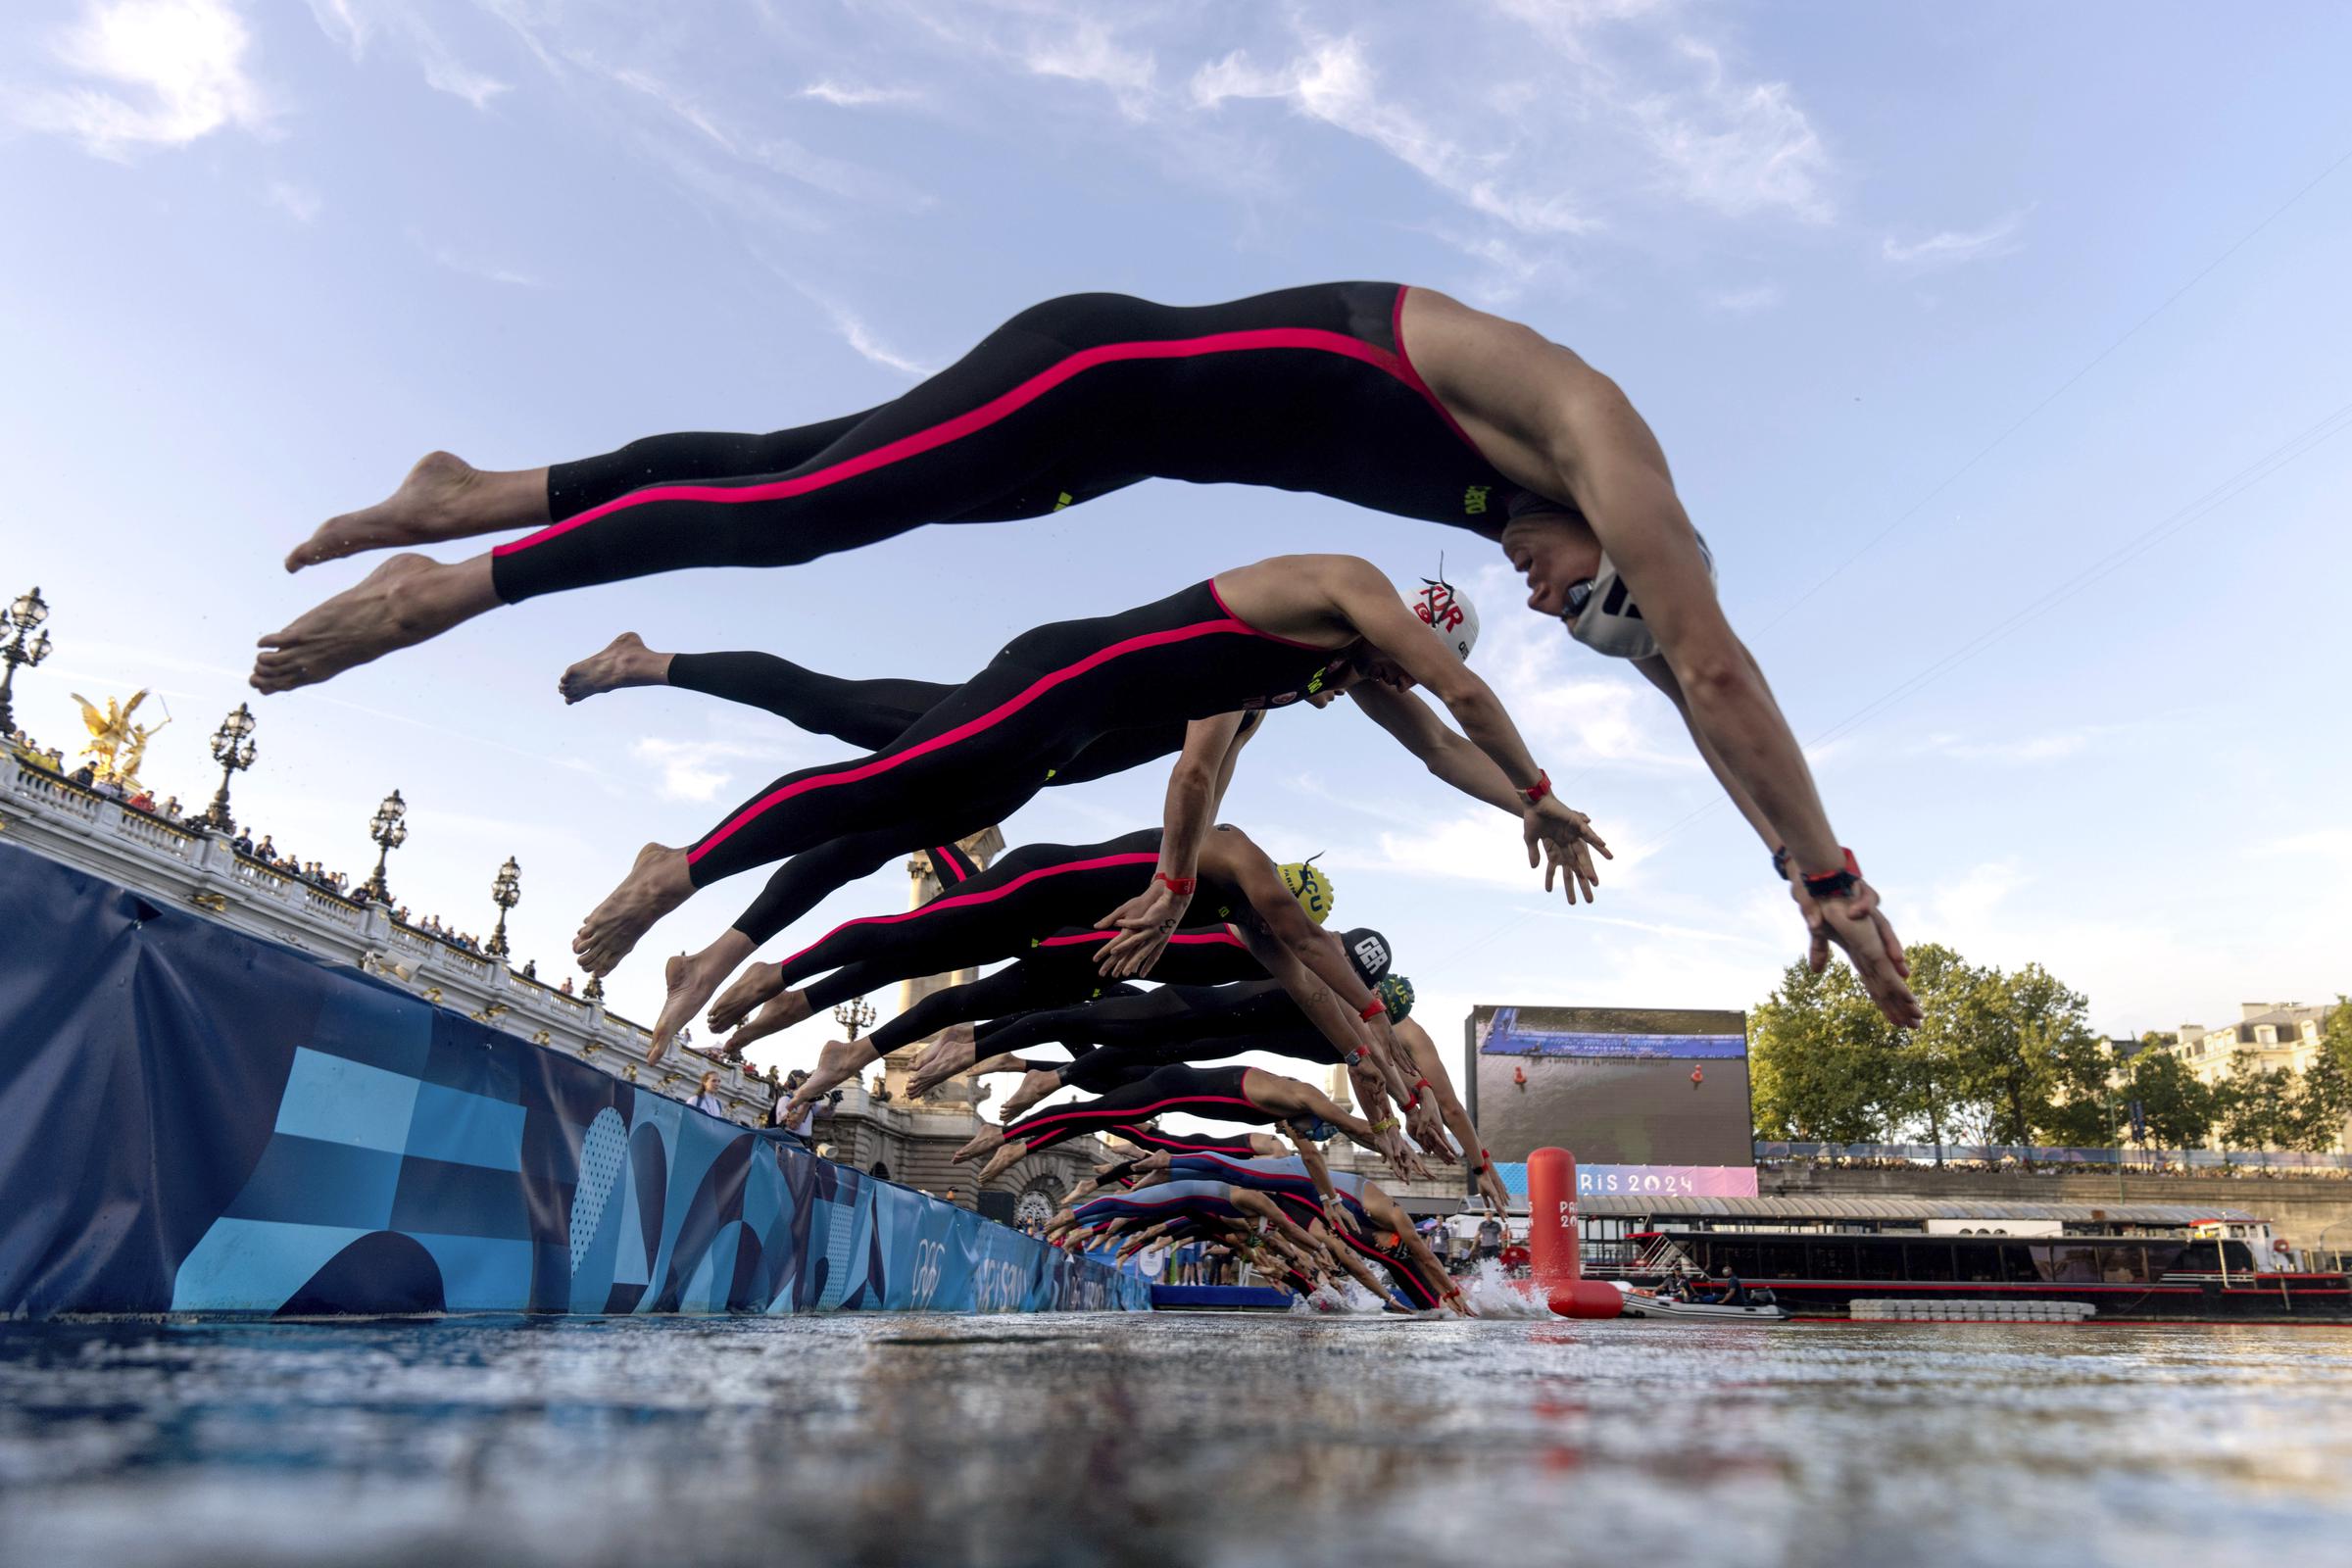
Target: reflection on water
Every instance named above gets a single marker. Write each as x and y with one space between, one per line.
1188 1437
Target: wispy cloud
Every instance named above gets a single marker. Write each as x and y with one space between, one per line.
446 73
778 155
854 331
2014 749
1744 301
355 26
475 267
847 95
1087 50
1333 82
2320 844
1957 247
1740 147
298 202
694 771
174 72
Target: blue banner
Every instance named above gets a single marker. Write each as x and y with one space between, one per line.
1509 1037
195 1120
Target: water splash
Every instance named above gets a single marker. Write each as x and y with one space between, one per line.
1492 1293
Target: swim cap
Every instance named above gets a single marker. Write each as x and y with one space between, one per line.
1397 993
1441 606
1602 615
1311 887
1313 1128
1368 950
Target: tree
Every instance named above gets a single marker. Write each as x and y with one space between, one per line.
2177 1109
2030 1055
2322 1100
2258 1110
1931 1060
1821 1060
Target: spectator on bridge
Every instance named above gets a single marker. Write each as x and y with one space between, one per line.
707 1100
808 1124
1491 1237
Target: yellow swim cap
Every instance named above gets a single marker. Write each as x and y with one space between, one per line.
1311 887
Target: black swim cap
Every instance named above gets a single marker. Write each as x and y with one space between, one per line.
1368 950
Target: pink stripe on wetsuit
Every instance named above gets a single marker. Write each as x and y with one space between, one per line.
1304 389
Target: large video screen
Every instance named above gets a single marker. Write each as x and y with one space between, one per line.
1646 1098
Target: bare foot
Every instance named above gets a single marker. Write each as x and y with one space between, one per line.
942 1061
1003 1160
988 1139
955 1038
405 601
625 662
444 497
761 982
836 1063
655 885
1035 1086
689 982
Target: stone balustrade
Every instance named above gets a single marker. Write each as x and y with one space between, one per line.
195 867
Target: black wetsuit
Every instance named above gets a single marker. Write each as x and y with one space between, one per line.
1213 1094
1236 1145
1058 971
1005 911
1160 1202
871 713
1120 1038
1003 736
1303 389
1414 1288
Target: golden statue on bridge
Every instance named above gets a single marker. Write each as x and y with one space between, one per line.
117 744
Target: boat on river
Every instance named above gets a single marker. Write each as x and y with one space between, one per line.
2219 1271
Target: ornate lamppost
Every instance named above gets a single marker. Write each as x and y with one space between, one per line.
505 891
389 829
23 646
232 749
854 1015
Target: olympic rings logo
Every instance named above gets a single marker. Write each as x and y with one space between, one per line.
929 1258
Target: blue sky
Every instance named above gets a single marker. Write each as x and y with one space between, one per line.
1852 263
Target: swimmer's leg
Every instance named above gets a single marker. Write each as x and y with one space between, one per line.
445 497
403 601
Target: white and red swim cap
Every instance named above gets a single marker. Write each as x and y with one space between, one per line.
1443 608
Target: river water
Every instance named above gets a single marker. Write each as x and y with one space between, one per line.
1176 1438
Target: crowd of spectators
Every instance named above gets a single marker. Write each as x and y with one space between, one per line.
2239 1165
262 851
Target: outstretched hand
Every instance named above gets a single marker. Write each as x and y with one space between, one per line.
1856 924
1567 843
1145 923
1428 1128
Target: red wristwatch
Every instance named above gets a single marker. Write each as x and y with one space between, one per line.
1541 787
1373 1009
1181 886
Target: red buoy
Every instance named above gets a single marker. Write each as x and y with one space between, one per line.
1552 1240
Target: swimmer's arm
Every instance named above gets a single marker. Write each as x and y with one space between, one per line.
1660 673
1367 600
1447 757
1609 464
1195 786
1374 1071
1311 1157
1429 1068
1607 461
